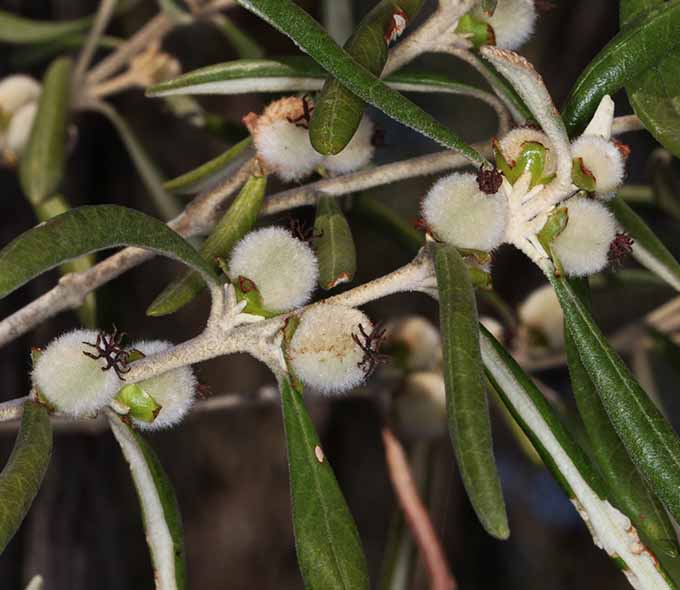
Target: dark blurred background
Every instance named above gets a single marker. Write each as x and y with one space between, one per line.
229 467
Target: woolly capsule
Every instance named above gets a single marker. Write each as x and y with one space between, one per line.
17 91
174 390
542 319
72 382
512 22
322 352
417 340
583 246
283 268
460 214
420 406
281 138
513 142
358 152
19 129
602 159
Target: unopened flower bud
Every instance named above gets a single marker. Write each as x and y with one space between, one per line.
420 406
283 269
415 342
512 22
323 353
583 246
174 391
71 381
15 92
542 320
358 152
153 66
19 130
513 146
459 213
281 138
599 159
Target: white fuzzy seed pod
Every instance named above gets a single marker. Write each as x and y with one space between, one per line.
283 268
358 152
513 142
17 91
460 214
19 129
73 383
420 406
541 316
420 340
282 141
583 246
174 391
512 22
322 352
603 159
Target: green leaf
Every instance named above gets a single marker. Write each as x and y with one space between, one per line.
16 29
334 245
628 490
639 46
42 164
326 538
338 112
48 209
647 248
29 55
22 476
88 229
650 440
235 223
210 173
160 512
655 93
466 401
165 203
294 22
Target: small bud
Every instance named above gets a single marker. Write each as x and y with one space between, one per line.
281 138
358 152
283 268
420 406
460 214
396 26
601 160
511 148
542 320
323 353
71 381
19 129
512 22
17 91
174 391
154 66
583 246
415 342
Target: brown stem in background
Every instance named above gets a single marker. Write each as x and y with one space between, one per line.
416 514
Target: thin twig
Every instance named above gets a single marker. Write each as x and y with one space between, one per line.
416 514
101 21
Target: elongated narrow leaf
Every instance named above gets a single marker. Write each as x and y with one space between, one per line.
650 440
47 210
165 203
641 45
655 93
160 512
334 244
41 168
16 29
211 172
628 490
29 55
22 476
294 22
235 223
467 405
88 229
338 112
611 530
328 545
647 248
